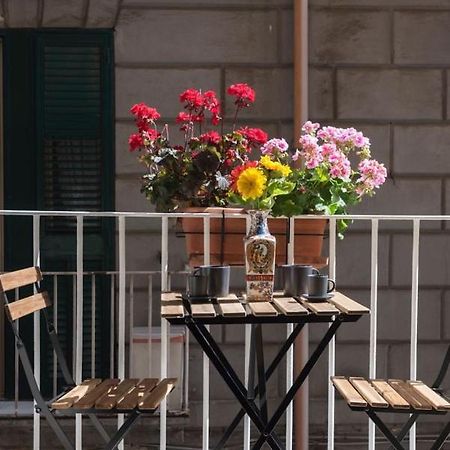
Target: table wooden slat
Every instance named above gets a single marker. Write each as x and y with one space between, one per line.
230 298
372 397
262 309
152 399
390 394
438 403
232 309
416 400
89 399
171 297
172 311
350 394
203 310
110 399
347 305
290 306
320 308
68 399
131 400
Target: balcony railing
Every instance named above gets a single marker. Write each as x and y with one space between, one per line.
122 284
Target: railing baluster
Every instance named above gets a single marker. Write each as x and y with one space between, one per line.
74 321
164 327
149 322
16 364
55 324
332 345
121 313
373 317
131 326
93 315
290 353
37 334
79 328
414 315
112 334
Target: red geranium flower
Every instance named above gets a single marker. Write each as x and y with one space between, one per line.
211 138
244 94
255 136
143 112
135 142
183 117
151 134
192 97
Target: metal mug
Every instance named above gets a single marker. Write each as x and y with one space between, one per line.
296 278
218 279
320 285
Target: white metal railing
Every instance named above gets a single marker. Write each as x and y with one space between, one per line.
121 275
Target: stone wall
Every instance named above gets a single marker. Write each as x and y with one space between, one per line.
379 65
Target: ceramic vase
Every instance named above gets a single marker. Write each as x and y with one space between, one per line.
260 248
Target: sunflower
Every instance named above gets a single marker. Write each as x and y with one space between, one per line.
251 183
268 164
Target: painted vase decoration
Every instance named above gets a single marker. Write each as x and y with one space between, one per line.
259 258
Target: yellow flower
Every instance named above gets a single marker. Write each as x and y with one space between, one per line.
251 183
275 165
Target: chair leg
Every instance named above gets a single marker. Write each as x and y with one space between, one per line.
122 431
56 427
385 430
440 441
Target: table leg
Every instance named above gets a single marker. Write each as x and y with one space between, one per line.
230 377
298 383
270 370
261 373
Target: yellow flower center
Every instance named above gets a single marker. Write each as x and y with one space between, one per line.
251 183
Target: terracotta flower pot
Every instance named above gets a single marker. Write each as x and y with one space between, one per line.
227 236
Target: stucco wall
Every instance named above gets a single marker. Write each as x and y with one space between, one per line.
379 65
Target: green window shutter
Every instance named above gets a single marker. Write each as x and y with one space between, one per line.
75 128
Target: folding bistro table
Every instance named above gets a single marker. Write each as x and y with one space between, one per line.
180 310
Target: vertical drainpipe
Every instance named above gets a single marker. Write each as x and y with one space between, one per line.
301 410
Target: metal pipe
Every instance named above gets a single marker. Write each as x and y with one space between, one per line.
300 38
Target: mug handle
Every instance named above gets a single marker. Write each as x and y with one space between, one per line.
333 285
315 271
196 271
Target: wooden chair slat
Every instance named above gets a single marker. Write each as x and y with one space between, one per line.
172 310
348 392
203 310
290 306
369 393
89 399
262 309
67 400
171 298
439 403
320 308
347 305
152 400
110 399
390 394
19 278
232 309
27 305
131 400
416 400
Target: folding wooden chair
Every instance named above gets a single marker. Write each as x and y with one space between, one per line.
399 396
92 397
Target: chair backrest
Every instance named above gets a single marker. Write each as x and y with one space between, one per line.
20 278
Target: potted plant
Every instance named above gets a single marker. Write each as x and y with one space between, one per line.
200 174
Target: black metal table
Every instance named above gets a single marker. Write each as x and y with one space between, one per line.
179 310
